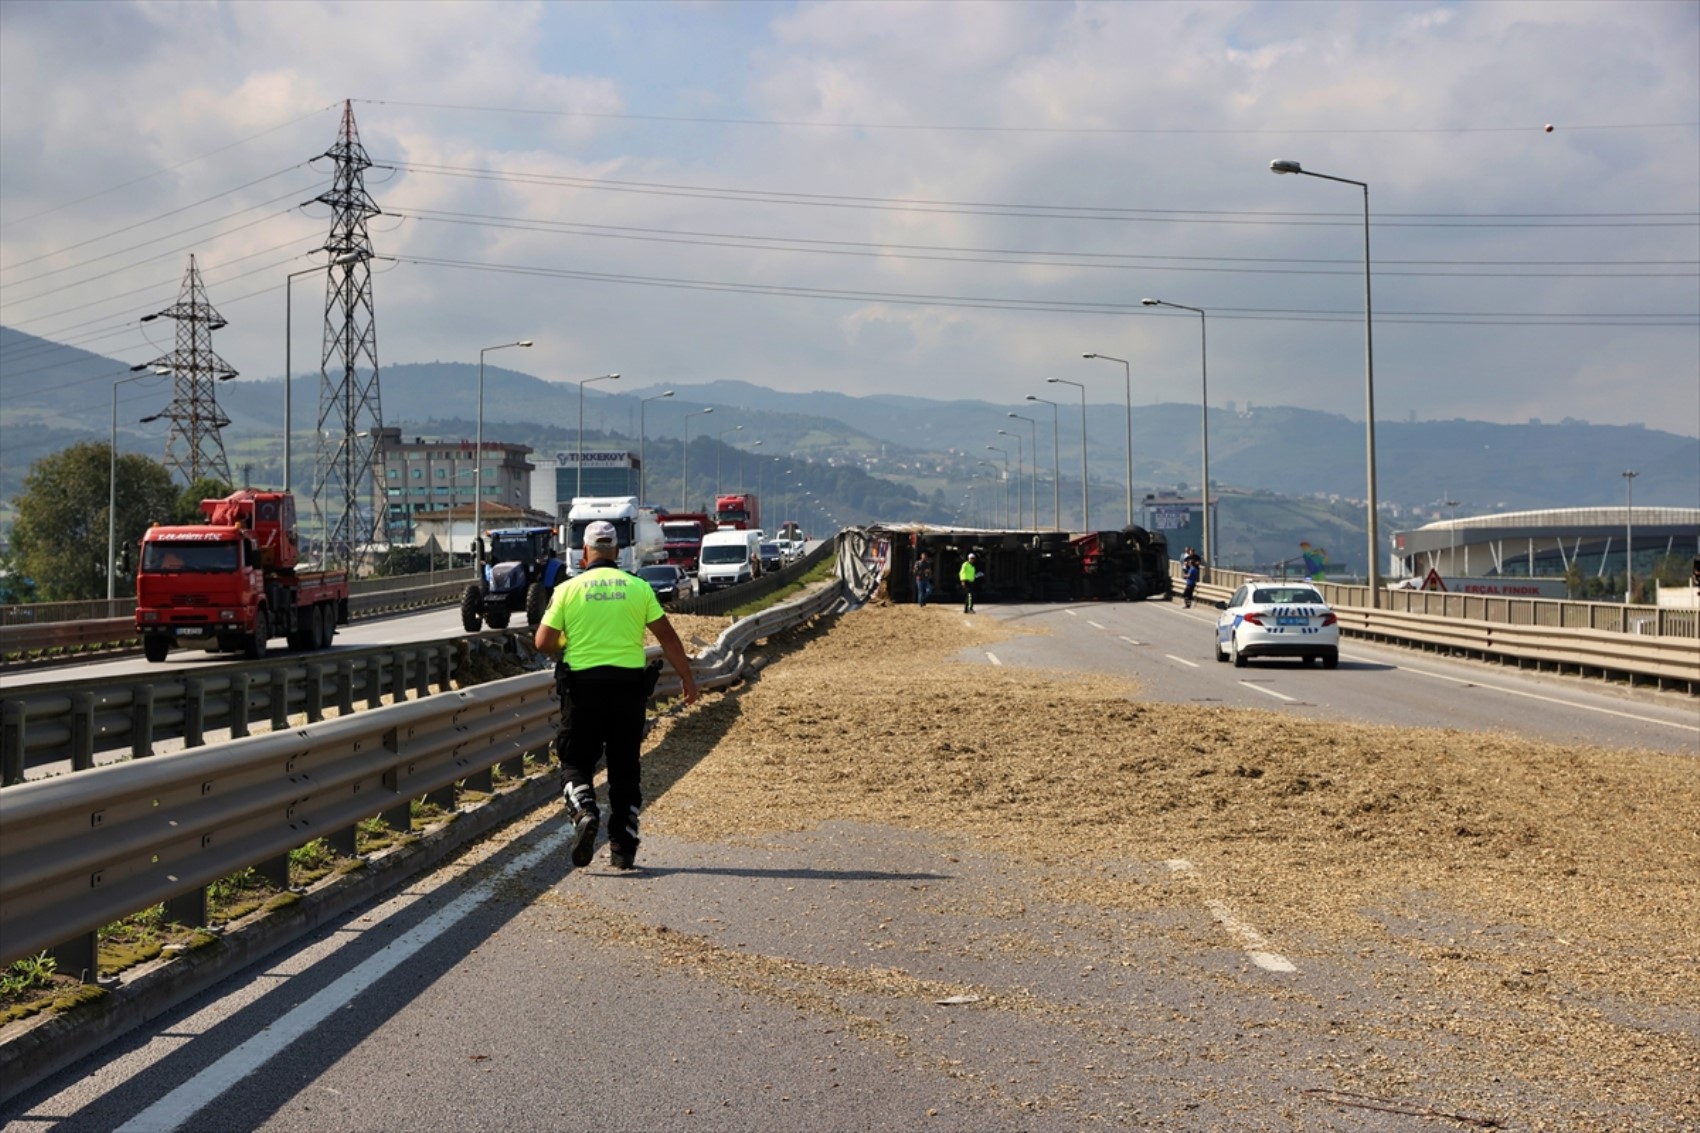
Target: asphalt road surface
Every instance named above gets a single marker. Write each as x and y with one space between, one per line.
851 977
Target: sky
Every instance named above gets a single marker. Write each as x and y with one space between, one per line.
950 200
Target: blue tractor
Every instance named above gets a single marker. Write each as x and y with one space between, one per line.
520 573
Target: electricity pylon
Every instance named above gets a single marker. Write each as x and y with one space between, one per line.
347 497
195 447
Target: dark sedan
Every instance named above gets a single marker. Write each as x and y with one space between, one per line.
772 556
669 582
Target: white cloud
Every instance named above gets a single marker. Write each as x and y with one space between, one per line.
1105 106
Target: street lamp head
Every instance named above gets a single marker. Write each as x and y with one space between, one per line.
1030 397
1285 167
1089 356
669 393
1150 302
1053 381
523 342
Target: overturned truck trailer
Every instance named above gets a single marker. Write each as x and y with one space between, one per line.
1031 566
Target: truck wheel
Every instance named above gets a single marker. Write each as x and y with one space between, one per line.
155 648
327 624
256 643
472 607
301 639
497 617
536 604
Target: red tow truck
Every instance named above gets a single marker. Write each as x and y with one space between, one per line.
232 584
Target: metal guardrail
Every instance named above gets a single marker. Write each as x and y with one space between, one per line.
76 720
75 631
83 850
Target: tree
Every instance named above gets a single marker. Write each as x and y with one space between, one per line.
187 508
402 560
59 539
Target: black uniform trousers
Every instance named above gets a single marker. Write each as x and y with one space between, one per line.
608 709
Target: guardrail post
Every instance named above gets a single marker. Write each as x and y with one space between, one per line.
345 841
345 687
375 681
82 731
313 694
483 781
447 653
194 712
238 713
80 954
277 696
141 721
398 675
188 908
275 870
11 743
399 816
421 659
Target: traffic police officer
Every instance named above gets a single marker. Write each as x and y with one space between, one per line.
595 623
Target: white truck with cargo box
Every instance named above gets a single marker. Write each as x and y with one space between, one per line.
641 541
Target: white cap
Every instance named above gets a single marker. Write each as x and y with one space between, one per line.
601 533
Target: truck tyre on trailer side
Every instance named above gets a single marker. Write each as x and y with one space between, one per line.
155 647
255 647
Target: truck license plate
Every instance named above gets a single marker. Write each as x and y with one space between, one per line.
190 631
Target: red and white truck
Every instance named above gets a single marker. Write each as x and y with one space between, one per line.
232 582
740 511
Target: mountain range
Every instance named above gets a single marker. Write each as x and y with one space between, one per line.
53 395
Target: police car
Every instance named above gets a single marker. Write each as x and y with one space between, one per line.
1277 619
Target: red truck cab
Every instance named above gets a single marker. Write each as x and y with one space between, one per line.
740 511
231 583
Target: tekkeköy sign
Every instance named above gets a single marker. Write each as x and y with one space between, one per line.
595 460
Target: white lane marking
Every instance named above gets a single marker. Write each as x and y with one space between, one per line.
1093 624
1182 660
1268 691
176 1109
1129 640
1548 699
993 658
1070 613
1256 948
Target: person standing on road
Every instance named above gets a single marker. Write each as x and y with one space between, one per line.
969 576
923 578
595 624
1191 567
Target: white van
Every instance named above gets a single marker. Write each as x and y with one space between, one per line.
728 558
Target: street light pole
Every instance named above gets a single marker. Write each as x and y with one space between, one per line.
1127 373
1020 471
1203 415
478 455
1003 452
685 460
642 403
1452 540
1369 379
719 447
1033 479
1056 465
112 482
1628 537
288 359
578 484
1085 516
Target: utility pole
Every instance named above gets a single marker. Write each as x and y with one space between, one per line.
347 497
194 447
